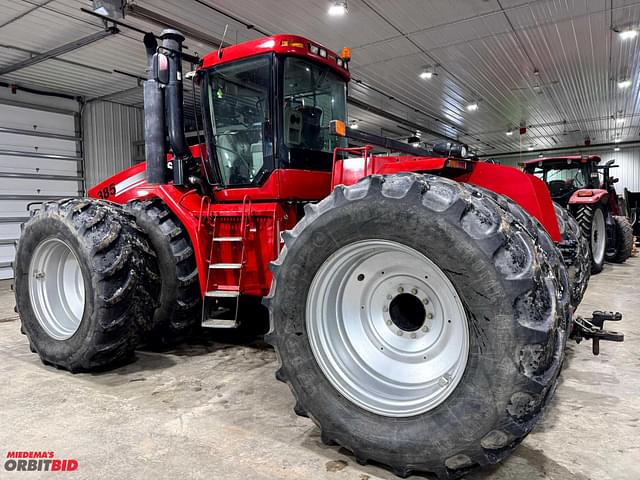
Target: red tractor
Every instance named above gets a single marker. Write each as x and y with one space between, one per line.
418 303
585 187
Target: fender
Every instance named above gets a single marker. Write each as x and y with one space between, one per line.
589 196
526 190
131 184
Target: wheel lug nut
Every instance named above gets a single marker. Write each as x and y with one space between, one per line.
425 329
399 333
414 291
413 335
425 301
39 274
444 381
429 315
389 297
389 322
400 289
385 309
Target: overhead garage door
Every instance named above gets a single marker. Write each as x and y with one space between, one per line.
40 159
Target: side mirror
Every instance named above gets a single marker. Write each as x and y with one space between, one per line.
160 68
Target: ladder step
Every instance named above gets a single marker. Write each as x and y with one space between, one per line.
227 239
223 266
223 293
219 323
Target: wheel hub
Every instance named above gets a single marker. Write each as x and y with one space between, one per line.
387 328
56 288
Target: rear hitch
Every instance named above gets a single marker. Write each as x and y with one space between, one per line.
593 329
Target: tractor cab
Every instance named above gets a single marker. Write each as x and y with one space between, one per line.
268 106
565 175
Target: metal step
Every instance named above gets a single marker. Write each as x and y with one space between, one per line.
227 239
224 266
219 323
222 293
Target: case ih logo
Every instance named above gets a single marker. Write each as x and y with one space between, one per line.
38 462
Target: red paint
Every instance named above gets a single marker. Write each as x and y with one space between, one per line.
274 44
588 196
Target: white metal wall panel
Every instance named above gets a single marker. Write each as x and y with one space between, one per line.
110 130
627 158
39 161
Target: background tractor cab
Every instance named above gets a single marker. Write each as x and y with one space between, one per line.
586 188
577 180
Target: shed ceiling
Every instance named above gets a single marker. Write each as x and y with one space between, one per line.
552 65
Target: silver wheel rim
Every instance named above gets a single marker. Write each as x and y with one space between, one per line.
56 288
598 236
370 339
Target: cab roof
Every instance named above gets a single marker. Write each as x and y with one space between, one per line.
283 44
574 158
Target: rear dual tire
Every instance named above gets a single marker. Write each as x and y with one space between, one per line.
515 312
83 284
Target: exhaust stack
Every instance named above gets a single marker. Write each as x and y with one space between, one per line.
154 121
173 97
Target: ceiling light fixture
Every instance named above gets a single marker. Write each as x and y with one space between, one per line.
628 34
624 84
427 72
617 149
472 107
619 120
530 149
617 140
509 133
338 8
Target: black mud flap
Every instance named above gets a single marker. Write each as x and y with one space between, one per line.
593 329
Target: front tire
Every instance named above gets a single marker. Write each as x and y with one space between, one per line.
591 219
444 234
575 253
82 286
624 240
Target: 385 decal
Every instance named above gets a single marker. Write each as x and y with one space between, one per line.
107 191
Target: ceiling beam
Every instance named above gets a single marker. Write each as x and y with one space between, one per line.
141 13
61 50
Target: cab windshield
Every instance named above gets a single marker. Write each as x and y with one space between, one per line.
238 97
313 96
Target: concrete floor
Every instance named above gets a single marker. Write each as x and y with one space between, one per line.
214 410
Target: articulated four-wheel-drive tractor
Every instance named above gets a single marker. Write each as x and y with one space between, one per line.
585 187
419 302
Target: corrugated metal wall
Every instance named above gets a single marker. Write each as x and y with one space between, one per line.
628 158
109 130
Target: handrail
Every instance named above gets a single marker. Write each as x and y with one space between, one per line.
365 150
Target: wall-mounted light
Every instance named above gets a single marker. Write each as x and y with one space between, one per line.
508 133
338 8
353 124
624 84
